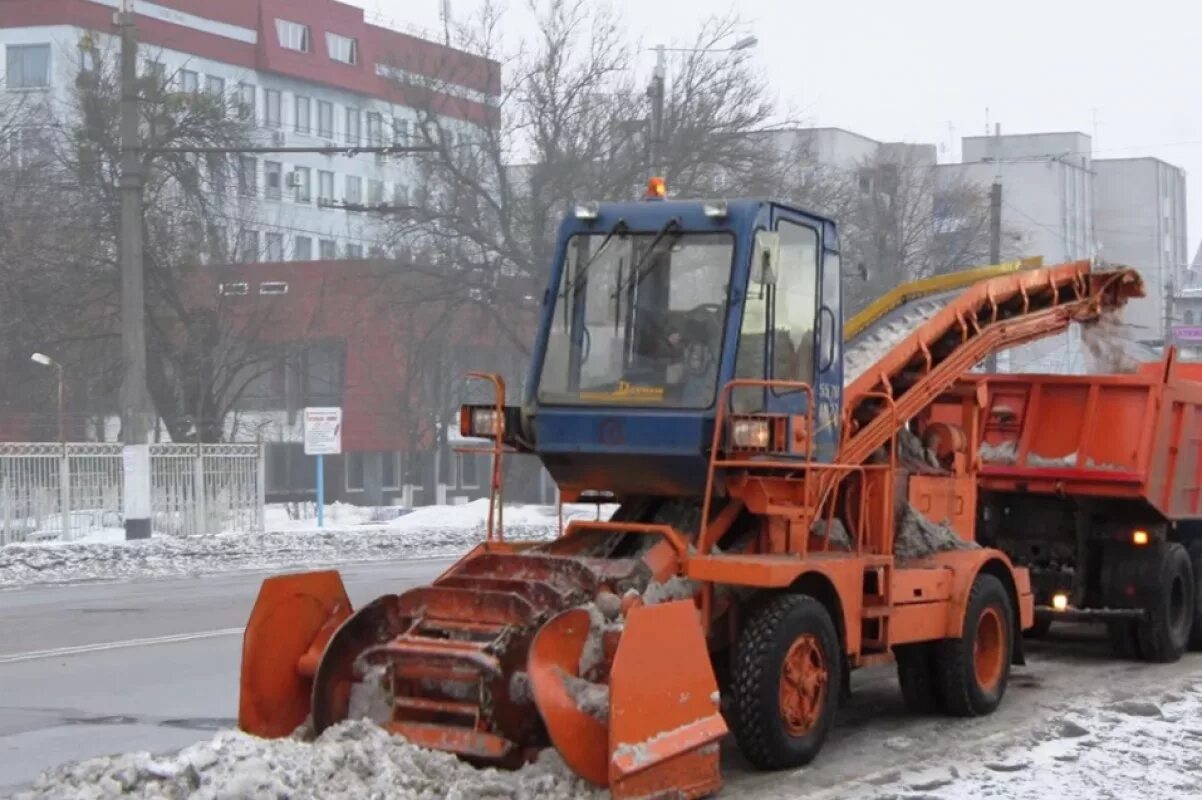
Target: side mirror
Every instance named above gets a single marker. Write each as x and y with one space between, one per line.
767 256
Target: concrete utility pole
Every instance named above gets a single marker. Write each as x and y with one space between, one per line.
995 244
135 402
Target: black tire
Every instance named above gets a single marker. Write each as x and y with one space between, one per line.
916 676
1166 591
1123 641
989 614
1195 558
757 718
1040 629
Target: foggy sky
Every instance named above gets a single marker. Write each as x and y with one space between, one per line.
907 70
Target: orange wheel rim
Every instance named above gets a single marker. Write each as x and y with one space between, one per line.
803 681
989 650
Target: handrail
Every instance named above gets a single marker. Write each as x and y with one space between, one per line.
724 397
496 505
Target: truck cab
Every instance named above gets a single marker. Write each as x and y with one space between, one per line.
652 308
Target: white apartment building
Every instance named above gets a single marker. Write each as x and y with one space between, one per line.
306 74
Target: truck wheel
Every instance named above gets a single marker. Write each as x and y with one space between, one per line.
972 671
1195 557
916 676
786 681
1166 589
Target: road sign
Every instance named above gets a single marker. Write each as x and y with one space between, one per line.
323 431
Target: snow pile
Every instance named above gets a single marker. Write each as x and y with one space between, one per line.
427 532
916 536
349 761
1106 748
1003 453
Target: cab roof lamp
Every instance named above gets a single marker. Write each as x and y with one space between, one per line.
715 209
587 210
657 188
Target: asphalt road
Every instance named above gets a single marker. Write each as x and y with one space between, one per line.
92 669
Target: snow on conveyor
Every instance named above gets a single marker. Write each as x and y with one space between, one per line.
868 348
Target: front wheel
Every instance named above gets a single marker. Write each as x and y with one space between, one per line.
786 678
973 670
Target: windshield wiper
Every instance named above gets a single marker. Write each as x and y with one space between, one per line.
619 229
636 273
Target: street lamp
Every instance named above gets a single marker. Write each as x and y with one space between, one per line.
659 79
47 361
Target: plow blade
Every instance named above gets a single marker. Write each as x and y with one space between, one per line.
655 728
293 619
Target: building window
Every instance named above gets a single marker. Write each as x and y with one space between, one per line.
325 119
248 168
273 287
302 180
31 145
156 71
302 249
275 246
272 111
354 252
375 129
390 469
400 195
215 86
352 126
1189 317
248 246
293 35
28 66
375 192
232 289
343 48
246 101
189 81
469 474
354 472
325 188
273 179
354 189
400 131
327 250
217 180
302 114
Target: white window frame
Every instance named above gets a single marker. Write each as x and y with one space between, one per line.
243 241
395 457
273 247
189 81
346 471
354 126
272 288
321 245
462 481
235 289
357 182
354 251
275 192
248 101
326 106
275 120
25 85
303 101
375 129
304 184
215 85
343 49
325 187
296 248
294 36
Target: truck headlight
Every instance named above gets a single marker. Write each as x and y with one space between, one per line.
1060 601
751 434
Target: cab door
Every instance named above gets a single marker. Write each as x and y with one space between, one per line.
791 328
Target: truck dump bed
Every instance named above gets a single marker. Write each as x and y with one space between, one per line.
1133 436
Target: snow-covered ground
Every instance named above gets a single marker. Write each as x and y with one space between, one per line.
1145 747
349 536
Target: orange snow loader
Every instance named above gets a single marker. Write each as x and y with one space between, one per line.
688 367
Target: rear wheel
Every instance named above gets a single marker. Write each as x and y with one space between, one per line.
1166 586
786 680
973 670
1195 558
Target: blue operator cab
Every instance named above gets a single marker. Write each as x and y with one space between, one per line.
652 307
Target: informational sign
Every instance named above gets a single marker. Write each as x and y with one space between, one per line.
1188 333
323 431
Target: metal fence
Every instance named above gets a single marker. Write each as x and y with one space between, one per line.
51 491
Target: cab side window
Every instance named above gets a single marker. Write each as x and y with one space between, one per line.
796 303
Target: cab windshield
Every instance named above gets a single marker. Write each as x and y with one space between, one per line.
638 320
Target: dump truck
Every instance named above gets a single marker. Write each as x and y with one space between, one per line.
1092 483
689 366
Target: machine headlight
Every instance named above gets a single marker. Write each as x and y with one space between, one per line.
476 423
1060 601
751 434
1139 537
